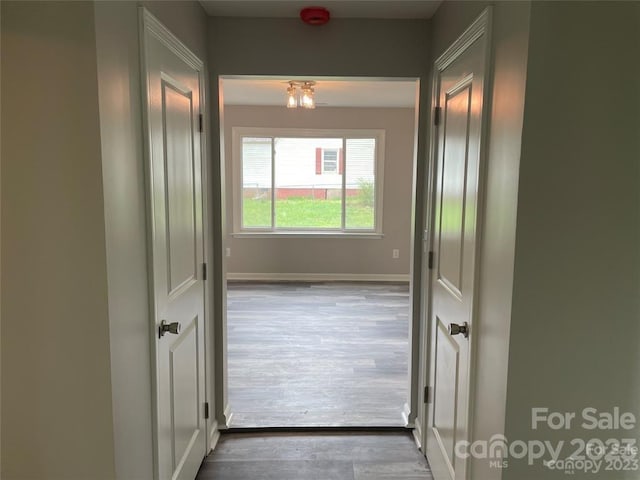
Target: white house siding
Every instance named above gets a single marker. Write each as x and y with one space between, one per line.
295 163
256 165
361 167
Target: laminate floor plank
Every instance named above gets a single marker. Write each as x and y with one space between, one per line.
317 354
318 456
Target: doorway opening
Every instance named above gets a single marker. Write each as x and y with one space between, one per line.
318 250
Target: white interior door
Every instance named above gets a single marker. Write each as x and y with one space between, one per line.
460 94
175 188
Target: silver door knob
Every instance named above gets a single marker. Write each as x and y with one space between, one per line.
165 327
455 329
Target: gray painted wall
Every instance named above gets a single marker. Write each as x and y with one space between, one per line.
344 47
332 255
125 225
75 354
576 310
186 19
56 405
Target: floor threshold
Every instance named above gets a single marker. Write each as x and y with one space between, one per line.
318 429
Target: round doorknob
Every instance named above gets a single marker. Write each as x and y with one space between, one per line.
166 327
455 329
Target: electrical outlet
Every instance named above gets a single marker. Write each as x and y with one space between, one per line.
228 252
395 253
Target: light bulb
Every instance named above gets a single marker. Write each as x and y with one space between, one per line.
307 100
292 98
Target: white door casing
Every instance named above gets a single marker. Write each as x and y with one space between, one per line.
460 93
172 78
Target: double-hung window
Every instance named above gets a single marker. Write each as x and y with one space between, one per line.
330 160
307 181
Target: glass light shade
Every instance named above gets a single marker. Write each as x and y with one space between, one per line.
307 100
292 98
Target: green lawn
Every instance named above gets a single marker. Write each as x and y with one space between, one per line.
307 213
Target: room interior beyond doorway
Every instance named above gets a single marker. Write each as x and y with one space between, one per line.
315 197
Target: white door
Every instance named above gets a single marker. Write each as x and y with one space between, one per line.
460 96
175 188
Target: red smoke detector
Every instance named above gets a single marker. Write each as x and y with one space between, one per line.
315 15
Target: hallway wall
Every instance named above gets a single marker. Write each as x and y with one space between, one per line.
559 303
576 309
56 383
76 393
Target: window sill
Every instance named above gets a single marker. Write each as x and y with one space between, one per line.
345 235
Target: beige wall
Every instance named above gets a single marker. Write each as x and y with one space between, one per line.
332 255
56 382
576 309
75 354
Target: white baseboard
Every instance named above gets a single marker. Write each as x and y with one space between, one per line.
417 436
228 415
214 437
319 277
406 413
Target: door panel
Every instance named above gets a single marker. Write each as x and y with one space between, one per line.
460 95
452 203
446 392
183 375
178 138
177 244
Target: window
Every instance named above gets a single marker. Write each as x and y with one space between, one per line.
330 160
307 181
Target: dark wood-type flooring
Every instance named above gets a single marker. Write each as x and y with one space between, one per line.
326 456
317 354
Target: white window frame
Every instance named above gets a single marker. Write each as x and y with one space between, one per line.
259 132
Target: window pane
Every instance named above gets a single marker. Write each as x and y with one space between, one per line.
308 195
256 182
360 183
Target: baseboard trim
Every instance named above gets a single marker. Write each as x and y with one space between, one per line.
228 416
417 436
325 429
406 413
214 437
318 277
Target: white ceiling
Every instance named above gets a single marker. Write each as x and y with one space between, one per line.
338 8
328 92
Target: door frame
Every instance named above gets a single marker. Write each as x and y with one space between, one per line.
481 26
149 24
412 407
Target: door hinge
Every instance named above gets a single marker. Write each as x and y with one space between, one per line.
427 391
430 260
437 111
200 123
204 271
206 411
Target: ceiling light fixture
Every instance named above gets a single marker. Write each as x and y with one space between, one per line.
292 96
306 98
